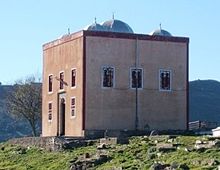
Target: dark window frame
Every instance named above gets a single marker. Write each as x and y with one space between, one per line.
61 77
73 107
73 77
165 80
136 78
108 77
50 112
50 83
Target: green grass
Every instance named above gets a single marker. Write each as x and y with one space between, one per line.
34 158
140 153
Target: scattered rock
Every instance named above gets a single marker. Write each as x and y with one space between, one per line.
88 161
79 166
212 162
86 155
216 143
198 142
188 149
203 145
143 142
109 141
159 154
90 142
206 162
101 146
174 165
159 138
159 166
101 159
151 155
165 147
183 167
152 149
21 150
2 148
196 162
170 140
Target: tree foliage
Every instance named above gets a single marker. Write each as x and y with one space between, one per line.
24 102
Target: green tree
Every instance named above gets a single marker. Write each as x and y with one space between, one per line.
24 102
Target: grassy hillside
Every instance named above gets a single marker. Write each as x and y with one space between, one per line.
204 100
204 104
141 153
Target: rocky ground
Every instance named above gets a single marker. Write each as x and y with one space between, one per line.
142 152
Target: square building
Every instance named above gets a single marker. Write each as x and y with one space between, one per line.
108 78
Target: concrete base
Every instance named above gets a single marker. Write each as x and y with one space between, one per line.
216 132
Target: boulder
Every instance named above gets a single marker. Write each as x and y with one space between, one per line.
165 147
159 166
183 167
109 141
101 146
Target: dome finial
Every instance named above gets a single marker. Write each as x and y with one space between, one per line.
113 16
160 26
95 20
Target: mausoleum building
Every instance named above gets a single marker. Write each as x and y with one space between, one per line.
106 77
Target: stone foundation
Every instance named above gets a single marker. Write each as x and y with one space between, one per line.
91 137
51 143
96 134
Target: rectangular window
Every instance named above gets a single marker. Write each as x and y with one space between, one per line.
50 83
165 80
61 80
73 107
107 77
73 78
136 78
50 112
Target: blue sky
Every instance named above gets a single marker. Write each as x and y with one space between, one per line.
27 24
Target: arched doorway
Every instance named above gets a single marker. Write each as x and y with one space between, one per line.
61 115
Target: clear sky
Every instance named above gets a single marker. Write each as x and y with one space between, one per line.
25 25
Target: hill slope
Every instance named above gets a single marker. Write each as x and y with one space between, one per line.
141 153
204 104
10 127
204 100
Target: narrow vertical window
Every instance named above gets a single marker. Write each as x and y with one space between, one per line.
50 112
136 78
61 80
107 77
165 80
50 83
73 78
73 107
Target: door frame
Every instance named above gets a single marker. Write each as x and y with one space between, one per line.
61 114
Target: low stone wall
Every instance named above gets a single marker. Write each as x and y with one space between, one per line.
50 143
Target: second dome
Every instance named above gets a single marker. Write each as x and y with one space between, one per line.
114 25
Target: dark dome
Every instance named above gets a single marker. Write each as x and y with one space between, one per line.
117 26
161 32
94 27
